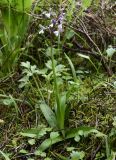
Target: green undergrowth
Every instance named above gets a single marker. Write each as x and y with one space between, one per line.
58 97
95 108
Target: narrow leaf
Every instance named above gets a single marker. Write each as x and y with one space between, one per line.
72 67
49 142
48 114
35 132
76 131
4 155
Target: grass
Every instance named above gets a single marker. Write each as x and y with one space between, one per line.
15 22
58 102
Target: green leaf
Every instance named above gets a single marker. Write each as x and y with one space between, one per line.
69 34
54 135
23 151
99 134
26 64
60 68
8 102
31 141
86 3
47 158
4 155
75 155
40 153
35 132
72 68
49 64
60 113
78 131
49 142
81 133
69 134
51 51
48 114
70 149
77 138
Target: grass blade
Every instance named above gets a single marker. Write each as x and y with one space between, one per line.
4 155
72 68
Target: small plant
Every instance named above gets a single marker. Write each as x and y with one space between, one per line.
57 116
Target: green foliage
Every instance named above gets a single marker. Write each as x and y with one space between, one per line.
75 155
4 155
72 68
86 3
15 20
28 72
36 133
49 142
48 114
65 59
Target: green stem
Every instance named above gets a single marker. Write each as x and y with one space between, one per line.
55 81
107 147
93 65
